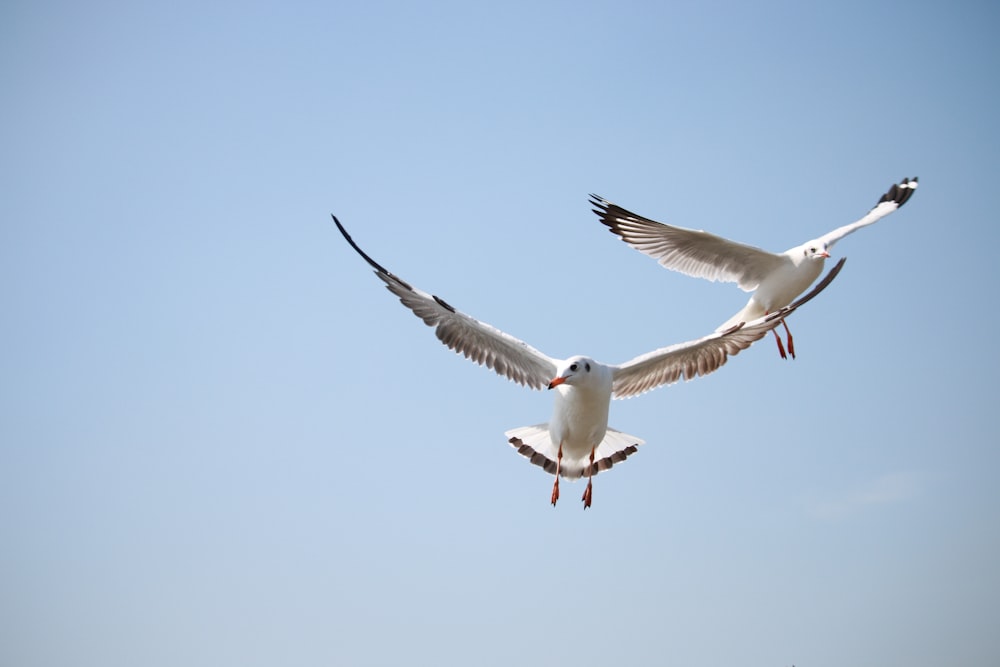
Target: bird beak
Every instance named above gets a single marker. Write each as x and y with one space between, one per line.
824 254
556 382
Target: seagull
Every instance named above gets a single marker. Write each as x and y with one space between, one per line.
777 277
576 442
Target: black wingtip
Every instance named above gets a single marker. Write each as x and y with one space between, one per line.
600 204
383 273
609 213
900 192
372 262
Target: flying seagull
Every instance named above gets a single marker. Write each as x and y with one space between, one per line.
777 277
577 441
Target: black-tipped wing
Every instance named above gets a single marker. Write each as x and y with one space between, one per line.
689 251
897 195
477 341
704 355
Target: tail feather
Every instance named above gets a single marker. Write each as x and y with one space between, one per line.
534 443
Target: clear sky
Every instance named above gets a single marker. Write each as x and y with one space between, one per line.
222 442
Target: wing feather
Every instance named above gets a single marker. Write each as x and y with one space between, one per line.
690 251
477 341
704 355
897 195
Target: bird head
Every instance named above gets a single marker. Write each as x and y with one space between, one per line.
815 250
574 371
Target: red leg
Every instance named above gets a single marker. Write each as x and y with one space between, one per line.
555 487
781 348
588 493
791 345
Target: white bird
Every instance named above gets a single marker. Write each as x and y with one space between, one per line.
577 441
777 277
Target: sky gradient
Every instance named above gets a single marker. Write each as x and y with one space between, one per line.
222 442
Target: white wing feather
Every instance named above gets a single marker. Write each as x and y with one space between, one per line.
704 355
477 341
690 251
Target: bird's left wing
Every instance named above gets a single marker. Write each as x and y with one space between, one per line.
897 195
704 355
477 341
693 252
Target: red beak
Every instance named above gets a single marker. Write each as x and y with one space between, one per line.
556 382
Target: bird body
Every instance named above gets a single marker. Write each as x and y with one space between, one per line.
579 423
794 271
581 406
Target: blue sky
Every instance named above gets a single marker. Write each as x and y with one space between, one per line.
223 442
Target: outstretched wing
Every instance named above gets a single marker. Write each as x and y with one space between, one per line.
704 355
897 195
689 251
477 341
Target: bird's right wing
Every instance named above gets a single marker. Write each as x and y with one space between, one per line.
704 355
689 251
897 195
477 341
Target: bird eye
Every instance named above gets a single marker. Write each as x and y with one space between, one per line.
573 367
